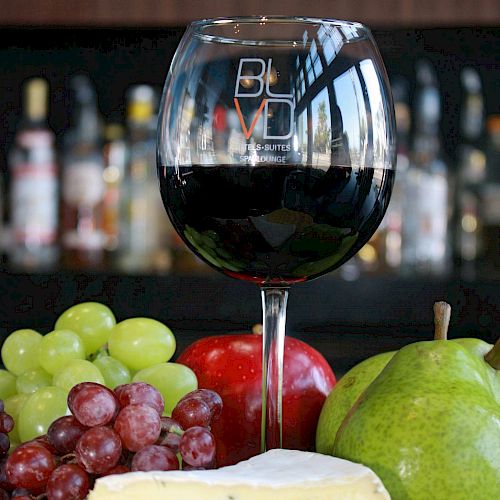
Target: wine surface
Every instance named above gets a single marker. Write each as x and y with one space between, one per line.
275 224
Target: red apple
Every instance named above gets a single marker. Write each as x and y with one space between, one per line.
232 366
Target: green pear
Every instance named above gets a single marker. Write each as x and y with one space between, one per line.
343 396
429 423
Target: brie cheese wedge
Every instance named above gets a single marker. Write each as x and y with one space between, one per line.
274 475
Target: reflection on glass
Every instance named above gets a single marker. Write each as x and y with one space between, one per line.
322 143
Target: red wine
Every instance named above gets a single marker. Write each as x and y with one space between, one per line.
275 223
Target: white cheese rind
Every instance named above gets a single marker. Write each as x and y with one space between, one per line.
274 475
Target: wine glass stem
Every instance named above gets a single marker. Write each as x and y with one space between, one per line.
273 341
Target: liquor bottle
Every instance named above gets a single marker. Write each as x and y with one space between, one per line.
470 175
490 202
382 254
143 234
426 247
82 181
115 159
33 185
393 234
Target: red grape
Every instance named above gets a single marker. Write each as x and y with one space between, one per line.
170 440
197 447
43 442
30 466
68 482
64 433
6 422
118 390
4 495
4 482
117 469
192 412
138 393
213 400
2 407
171 433
138 425
155 458
92 404
4 443
98 450
168 424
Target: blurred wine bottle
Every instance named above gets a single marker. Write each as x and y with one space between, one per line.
115 158
382 254
82 233
33 206
425 226
144 231
395 212
490 203
471 174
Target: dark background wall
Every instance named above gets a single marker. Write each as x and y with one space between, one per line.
347 321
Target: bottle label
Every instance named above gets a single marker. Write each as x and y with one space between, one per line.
433 215
34 203
425 221
83 184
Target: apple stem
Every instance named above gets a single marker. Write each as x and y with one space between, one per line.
442 314
493 357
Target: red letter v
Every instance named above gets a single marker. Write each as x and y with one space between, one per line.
248 132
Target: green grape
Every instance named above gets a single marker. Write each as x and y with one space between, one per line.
114 372
13 407
7 384
40 410
59 347
92 321
173 380
32 380
20 351
76 371
141 342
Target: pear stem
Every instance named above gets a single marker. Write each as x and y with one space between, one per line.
442 314
493 357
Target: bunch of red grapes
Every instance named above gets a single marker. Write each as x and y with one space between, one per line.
111 432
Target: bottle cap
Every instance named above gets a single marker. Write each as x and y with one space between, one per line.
83 89
141 101
35 95
471 81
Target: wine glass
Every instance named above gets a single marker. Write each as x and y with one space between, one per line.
276 157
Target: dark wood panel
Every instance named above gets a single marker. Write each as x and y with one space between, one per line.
179 12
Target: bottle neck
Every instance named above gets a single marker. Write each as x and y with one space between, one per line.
472 119
141 129
427 144
141 120
35 105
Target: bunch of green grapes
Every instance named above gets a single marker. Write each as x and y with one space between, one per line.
86 345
